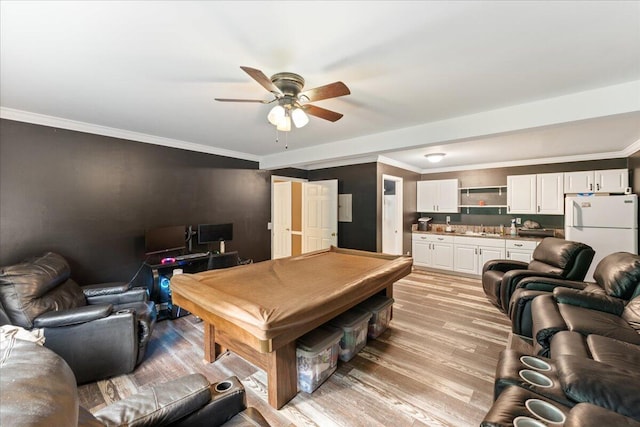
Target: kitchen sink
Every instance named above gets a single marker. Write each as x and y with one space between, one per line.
474 233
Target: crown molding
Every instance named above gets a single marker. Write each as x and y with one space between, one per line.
57 122
538 161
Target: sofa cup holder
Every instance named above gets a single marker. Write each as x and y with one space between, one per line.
527 422
535 363
545 411
223 386
535 378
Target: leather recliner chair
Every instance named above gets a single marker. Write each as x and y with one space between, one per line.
37 387
99 330
553 257
617 275
588 314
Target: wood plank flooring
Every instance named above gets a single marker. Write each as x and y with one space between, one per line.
433 366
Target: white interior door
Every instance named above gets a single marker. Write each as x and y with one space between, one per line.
391 215
281 225
319 215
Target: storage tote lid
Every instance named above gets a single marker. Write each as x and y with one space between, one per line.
351 318
376 303
319 338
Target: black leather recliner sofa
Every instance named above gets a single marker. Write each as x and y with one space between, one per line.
99 330
592 377
553 257
616 276
37 388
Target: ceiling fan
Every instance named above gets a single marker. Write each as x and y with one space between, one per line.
291 99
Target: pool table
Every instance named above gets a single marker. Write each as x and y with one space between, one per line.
259 310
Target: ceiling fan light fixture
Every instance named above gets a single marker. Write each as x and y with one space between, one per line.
434 157
299 117
284 125
276 114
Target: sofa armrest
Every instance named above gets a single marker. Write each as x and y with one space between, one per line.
73 316
504 265
588 300
110 288
224 405
520 311
159 405
549 283
114 293
510 282
547 320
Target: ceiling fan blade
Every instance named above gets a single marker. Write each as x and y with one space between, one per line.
332 90
264 81
243 100
323 113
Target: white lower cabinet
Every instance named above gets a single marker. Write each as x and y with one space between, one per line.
432 250
471 253
467 254
520 250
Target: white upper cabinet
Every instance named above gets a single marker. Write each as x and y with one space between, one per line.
550 194
521 194
438 196
601 181
535 194
611 180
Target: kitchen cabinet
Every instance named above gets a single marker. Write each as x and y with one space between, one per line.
520 250
471 253
550 194
432 250
438 196
600 181
535 194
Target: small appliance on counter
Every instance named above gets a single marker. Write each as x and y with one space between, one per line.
424 224
534 229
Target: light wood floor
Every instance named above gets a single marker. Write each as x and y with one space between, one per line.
434 366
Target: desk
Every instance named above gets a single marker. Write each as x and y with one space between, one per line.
162 273
259 310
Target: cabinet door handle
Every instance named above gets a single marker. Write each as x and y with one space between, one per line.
423 238
475 251
508 254
480 251
590 187
518 245
538 208
441 238
597 186
434 208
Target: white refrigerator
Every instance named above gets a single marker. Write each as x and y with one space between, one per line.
606 223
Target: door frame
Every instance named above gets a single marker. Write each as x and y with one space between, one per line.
274 179
399 243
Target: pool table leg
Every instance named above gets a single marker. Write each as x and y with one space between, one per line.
282 375
211 349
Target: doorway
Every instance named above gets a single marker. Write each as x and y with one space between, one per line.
304 216
392 227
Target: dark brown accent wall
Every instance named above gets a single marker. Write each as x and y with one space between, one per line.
360 181
91 197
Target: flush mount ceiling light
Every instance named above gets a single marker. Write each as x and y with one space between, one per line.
287 90
434 157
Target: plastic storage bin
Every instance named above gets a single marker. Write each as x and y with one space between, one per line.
354 331
380 308
317 357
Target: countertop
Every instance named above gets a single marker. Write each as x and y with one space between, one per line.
483 235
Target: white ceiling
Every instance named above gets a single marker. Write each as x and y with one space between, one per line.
487 83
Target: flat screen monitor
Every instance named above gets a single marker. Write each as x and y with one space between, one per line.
209 233
165 239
